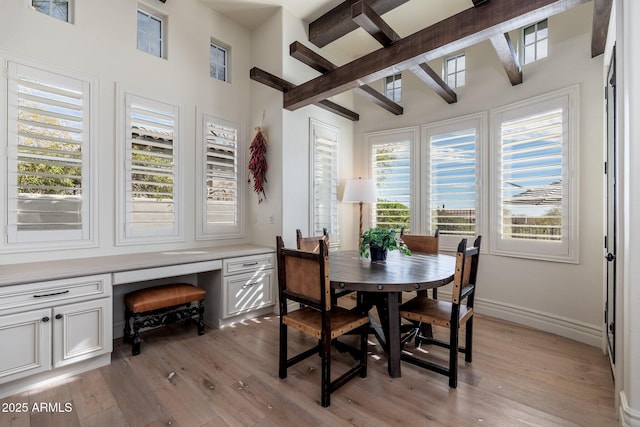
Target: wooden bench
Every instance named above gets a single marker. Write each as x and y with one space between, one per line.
160 305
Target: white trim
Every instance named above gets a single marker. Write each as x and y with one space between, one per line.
412 134
627 416
315 126
205 231
479 122
568 249
88 235
124 235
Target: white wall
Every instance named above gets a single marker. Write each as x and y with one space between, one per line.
101 43
562 298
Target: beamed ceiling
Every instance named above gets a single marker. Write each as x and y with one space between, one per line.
381 44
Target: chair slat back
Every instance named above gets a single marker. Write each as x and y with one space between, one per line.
421 243
467 260
303 276
311 243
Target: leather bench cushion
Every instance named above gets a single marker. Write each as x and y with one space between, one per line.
162 297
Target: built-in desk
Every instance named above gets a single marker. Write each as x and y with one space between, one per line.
60 317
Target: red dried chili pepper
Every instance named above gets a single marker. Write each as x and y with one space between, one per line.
258 163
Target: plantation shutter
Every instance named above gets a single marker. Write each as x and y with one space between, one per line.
391 172
452 195
48 157
150 206
531 177
324 190
221 176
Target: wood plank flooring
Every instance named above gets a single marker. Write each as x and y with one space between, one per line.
229 377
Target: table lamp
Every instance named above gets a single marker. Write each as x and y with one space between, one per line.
359 191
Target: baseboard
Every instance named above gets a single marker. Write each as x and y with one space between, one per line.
627 416
565 327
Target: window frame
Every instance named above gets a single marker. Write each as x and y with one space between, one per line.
70 8
478 122
537 42
411 134
125 234
456 73
162 19
219 46
396 87
568 249
212 231
328 132
16 241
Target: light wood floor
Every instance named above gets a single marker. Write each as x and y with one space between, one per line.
229 377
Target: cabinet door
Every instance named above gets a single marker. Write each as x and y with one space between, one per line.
26 344
246 292
81 331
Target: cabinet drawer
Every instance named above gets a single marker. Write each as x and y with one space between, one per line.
248 263
17 298
246 292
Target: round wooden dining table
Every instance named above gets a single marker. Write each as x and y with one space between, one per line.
381 284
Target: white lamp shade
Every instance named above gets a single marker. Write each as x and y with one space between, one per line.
359 190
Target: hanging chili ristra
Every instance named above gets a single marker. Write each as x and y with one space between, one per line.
258 163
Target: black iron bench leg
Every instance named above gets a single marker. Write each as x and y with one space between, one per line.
201 317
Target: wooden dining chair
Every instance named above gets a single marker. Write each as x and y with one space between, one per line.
311 243
303 276
452 315
422 244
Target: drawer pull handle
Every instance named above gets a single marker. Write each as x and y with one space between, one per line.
45 319
249 264
58 316
248 285
50 295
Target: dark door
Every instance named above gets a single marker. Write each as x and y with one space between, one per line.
612 209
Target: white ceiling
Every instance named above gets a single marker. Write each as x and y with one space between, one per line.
406 19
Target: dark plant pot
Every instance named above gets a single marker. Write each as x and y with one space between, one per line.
377 253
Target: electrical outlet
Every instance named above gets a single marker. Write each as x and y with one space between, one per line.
271 218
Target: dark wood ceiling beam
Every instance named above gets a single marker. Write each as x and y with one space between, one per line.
477 3
275 82
462 30
373 23
508 57
433 80
600 26
319 63
367 18
337 22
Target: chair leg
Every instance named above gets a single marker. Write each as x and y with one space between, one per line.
453 356
283 351
325 352
468 340
364 336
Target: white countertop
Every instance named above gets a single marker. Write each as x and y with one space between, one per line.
51 270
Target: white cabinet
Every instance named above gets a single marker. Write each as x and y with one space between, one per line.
246 289
48 325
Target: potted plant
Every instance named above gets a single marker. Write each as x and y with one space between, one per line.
378 241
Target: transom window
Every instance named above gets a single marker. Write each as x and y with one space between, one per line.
393 87
150 33
454 70
59 9
219 62
535 42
